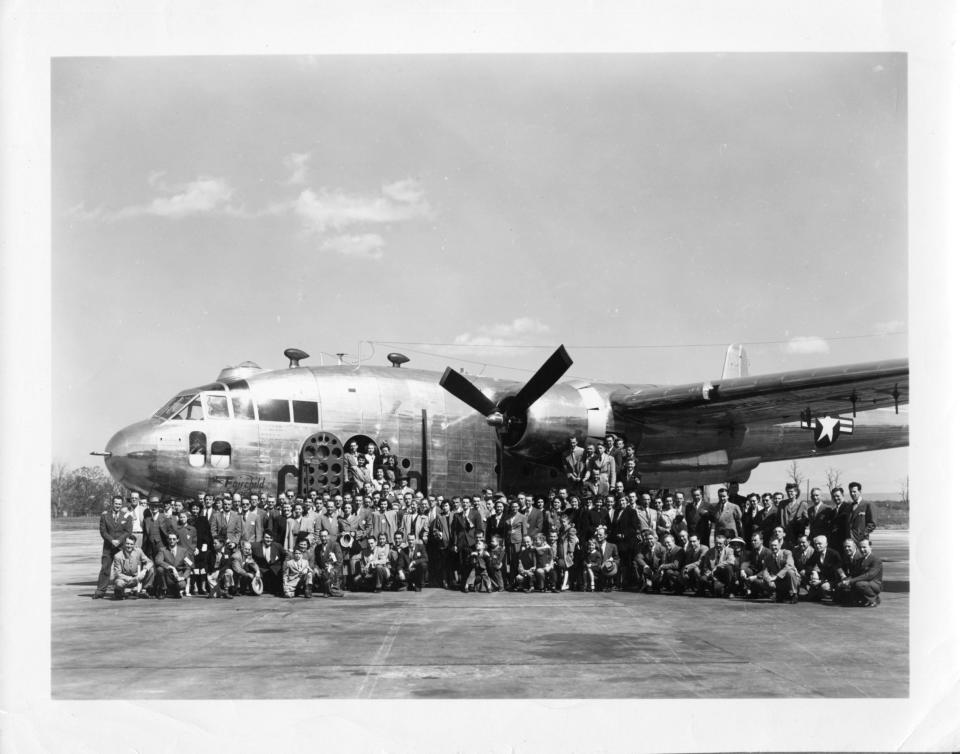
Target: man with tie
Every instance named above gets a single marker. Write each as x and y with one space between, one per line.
818 517
727 515
823 570
803 554
269 557
865 582
173 564
328 565
692 556
609 561
573 465
646 563
466 526
669 571
755 567
784 579
137 508
412 562
513 534
115 524
440 554
132 570
152 535
251 525
718 573
791 514
862 520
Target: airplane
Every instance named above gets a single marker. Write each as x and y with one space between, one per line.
271 431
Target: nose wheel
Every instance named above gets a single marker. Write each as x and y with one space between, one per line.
321 464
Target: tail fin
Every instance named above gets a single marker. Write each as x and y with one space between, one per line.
736 363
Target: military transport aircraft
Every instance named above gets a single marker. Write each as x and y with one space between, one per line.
257 430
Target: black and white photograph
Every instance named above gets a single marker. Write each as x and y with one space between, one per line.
573 379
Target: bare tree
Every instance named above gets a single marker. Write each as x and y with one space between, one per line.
833 478
59 480
905 490
794 475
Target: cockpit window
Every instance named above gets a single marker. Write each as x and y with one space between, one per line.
216 406
242 405
192 411
174 405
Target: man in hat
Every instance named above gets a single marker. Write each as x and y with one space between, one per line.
137 508
153 536
132 570
115 524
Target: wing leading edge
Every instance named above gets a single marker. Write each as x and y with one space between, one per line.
772 398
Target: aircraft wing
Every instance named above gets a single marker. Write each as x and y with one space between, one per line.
769 399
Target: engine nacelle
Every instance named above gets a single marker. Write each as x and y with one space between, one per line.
572 409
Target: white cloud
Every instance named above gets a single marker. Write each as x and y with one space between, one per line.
502 334
365 245
204 196
296 165
325 210
806 344
890 327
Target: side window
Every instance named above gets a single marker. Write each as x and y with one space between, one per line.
305 412
198 449
216 406
220 454
242 405
193 411
274 410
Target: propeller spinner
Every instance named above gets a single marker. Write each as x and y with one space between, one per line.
509 416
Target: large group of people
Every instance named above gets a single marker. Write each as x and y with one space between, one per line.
600 531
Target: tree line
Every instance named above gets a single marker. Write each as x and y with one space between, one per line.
86 491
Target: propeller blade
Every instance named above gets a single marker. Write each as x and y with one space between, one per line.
545 378
459 386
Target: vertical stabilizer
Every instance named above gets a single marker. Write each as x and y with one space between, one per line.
736 364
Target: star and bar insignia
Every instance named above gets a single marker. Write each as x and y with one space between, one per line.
826 429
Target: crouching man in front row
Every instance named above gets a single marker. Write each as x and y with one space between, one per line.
174 565
863 585
297 575
132 570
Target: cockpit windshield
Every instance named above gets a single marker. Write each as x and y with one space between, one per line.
174 405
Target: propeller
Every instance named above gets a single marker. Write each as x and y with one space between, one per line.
510 414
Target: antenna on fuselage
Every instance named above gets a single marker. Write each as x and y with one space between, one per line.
295 355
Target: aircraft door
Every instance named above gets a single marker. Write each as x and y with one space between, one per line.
321 464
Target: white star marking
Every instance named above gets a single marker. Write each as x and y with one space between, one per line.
827 423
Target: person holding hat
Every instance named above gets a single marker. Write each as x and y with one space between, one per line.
246 572
609 560
219 573
174 565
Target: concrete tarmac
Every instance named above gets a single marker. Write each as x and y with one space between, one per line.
440 644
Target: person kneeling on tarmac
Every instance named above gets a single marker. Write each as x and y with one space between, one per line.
297 575
132 571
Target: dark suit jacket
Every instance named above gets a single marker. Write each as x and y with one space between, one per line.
761 560
440 531
828 564
573 466
495 525
465 528
153 537
861 521
111 529
535 521
820 521
515 528
271 559
868 569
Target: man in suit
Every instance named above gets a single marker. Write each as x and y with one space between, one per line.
690 571
704 516
152 535
862 520
803 555
513 534
137 509
496 523
466 526
535 518
791 515
727 515
840 530
251 525
628 522
115 524
573 465
173 564
863 585
609 561
131 570
717 568
669 571
783 579
646 563
269 557
328 565
754 567
823 570
412 562
605 471
328 521
817 517
440 554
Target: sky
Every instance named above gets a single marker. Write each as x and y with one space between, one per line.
475 211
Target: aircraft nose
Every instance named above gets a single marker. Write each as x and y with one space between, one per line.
130 452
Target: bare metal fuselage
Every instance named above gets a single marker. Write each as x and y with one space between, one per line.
441 443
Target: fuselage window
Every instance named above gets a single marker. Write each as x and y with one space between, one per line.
305 412
220 454
274 410
242 405
198 449
216 406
